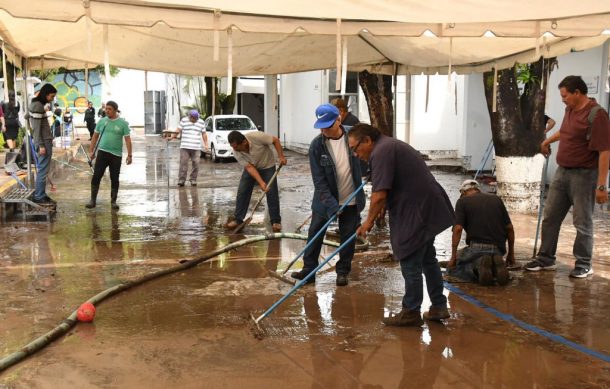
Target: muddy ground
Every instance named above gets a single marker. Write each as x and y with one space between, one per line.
192 329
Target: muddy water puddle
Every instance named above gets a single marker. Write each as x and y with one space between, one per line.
192 328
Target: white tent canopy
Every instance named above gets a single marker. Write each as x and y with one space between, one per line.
241 37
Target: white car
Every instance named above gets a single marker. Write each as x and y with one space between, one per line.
218 128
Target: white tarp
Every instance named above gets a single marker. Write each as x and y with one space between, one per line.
182 36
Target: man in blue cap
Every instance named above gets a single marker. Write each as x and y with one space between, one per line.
336 175
192 138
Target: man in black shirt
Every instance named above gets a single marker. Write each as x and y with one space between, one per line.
90 119
488 227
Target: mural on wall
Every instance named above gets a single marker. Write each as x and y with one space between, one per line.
71 85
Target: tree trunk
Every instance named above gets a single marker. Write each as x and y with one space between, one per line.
9 78
377 89
518 129
518 125
210 82
229 103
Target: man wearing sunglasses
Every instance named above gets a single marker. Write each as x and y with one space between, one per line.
336 175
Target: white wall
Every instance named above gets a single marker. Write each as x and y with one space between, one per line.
127 90
589 63
363 108
474 139
300 95
468 133
438 128
402 121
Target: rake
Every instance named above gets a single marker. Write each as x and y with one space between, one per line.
257 330
332 218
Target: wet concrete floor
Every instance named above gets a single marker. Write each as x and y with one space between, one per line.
191 329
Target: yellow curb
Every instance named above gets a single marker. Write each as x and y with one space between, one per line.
9 184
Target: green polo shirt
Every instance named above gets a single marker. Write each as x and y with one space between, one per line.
111 133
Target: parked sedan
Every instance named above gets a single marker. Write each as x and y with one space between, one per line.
218 128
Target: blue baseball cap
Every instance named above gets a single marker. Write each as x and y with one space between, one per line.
194 114
326 114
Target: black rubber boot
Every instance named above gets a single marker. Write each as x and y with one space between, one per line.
94 190
113 196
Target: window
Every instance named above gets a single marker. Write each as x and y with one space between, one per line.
231 124
351 83
351 90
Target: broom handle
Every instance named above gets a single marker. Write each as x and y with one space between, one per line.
265 192
541 205
247 221
332 218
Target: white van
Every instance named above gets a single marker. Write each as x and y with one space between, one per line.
218 128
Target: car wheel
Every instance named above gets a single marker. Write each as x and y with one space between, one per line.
213 155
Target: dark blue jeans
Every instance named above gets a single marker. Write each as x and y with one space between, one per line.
412 266
349 220
244 193
44 163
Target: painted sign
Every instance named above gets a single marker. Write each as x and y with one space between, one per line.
80 103
71 86
592 83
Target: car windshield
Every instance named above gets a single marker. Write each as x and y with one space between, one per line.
230 124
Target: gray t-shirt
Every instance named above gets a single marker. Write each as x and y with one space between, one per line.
418 206
261 151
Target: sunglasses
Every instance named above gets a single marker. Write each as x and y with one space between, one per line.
354 149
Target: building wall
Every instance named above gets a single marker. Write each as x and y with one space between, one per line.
300 94
127 90
435 128
462 135
476 134
402 110
468 133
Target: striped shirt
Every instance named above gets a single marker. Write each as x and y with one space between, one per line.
191 134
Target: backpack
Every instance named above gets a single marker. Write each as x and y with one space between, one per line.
10 114
590 119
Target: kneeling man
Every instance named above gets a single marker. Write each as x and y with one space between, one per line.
488 227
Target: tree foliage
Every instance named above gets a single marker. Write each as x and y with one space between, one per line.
48 74
195 87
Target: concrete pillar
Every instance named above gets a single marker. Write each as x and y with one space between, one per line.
271 113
